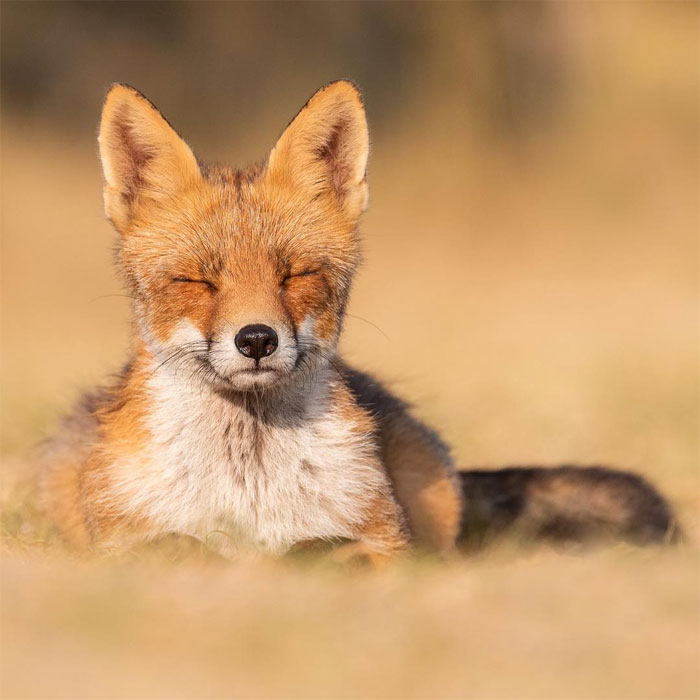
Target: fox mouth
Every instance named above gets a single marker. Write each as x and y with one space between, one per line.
257 374
251 379
243 379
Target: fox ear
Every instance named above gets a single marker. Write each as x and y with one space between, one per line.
142 155
325 148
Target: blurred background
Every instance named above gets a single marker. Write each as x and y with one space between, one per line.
534 189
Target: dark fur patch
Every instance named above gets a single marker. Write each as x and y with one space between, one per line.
308 467
564 504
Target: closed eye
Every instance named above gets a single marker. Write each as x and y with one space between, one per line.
303 273
207 283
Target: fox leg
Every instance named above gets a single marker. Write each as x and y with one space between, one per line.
60 500
418 464
381 537
424 480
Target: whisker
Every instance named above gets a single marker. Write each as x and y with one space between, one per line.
369 323
109 296
185 351
332 360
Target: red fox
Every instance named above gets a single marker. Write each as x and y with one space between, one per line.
235 413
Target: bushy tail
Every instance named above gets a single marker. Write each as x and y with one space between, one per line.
564 504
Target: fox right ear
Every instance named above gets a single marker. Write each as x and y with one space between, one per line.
142 155
324 149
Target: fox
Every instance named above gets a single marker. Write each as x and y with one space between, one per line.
235 413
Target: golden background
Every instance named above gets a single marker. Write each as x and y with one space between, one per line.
534 204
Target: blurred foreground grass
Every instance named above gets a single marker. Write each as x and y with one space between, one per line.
173 621
616 624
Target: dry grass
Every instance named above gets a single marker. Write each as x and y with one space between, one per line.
563 272
605 626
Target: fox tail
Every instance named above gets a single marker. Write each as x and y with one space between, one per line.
566 504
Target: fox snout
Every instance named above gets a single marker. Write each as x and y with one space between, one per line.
253 355
257 341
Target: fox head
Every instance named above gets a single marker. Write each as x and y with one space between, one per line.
238 276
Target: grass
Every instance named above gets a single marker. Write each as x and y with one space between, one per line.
609 625
564 273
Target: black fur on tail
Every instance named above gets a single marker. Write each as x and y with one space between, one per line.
565 504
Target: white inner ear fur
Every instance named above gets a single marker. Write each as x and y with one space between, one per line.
141 154
326 147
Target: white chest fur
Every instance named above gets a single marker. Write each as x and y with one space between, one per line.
267 479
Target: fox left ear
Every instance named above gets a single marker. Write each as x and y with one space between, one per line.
143 158
325 148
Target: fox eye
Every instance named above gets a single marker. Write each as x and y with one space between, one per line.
303 273
206 283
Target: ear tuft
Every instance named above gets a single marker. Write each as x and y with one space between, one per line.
142 155
325 147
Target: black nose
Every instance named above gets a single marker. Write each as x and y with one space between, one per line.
256 341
